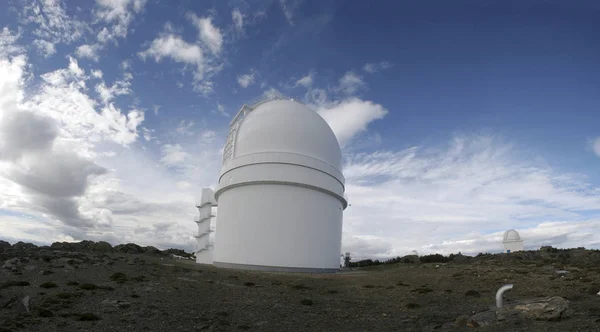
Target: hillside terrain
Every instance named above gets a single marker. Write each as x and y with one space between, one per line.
95 287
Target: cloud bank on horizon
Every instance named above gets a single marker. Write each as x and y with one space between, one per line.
111 122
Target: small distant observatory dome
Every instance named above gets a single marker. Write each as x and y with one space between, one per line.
512 241
511 235
281 191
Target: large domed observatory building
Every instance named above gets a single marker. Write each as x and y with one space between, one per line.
512 241
281 190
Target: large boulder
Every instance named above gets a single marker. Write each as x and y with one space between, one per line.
150 250
23 246
4 245
552 309
102 246
129 248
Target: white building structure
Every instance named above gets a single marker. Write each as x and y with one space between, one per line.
512 241
205 205
281 191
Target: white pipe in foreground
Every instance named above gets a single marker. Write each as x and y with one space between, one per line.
501 292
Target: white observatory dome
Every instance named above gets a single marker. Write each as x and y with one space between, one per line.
512 241
511 235
281 191
290 127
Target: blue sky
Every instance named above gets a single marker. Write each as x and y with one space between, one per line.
458 119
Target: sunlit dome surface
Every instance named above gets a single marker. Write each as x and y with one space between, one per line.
511 235
287 126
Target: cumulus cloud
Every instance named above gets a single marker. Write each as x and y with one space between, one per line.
45 48
350 117
306 81
8 43
209 34
247 79
68 170
31 155
372 68
120 87
88 51
173 154
51 23
350 83
118 14
97 73
168 45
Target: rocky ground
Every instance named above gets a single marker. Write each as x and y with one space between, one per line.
95 287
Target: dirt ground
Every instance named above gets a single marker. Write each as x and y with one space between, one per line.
123 292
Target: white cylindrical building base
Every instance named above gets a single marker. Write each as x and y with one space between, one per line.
268 226
512 246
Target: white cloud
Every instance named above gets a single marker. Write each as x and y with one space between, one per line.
118 14
8 43
88 51
458 196
173 155
596 146
350 83
74 68
209 34
184 127
178 50
238 19
52 24
247 79
350 117
97 73
372 68
62 172
120 87
45 48
306 81
221 110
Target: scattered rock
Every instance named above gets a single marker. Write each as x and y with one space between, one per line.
551 309
23 305
11 263
482 319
